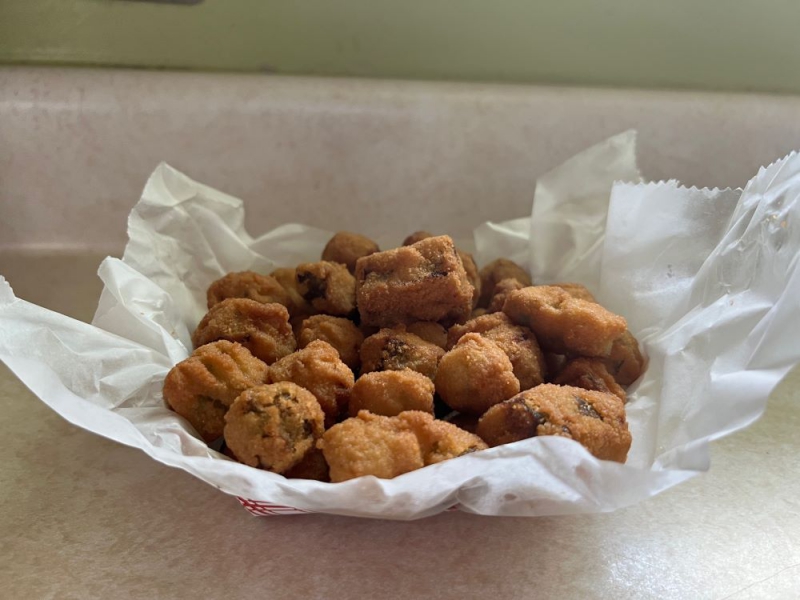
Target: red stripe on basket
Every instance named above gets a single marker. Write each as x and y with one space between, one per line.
267 509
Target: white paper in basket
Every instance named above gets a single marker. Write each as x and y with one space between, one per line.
708 280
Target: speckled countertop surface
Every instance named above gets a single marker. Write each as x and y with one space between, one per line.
82 517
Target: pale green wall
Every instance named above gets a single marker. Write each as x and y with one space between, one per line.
720 44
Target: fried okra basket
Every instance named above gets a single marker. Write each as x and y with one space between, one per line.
400 337
337 390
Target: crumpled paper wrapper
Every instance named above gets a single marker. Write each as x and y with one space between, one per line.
708 280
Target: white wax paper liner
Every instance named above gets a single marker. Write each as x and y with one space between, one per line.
708 280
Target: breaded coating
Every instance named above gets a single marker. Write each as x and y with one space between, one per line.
439 440
564 324
495 272
318 368
501 292
518 343
396 349
389 393
328 286
478 312
475 375
625 362
422 282
430 332
473 276
386 447
273 426
594 419
339 332
202 387
298 307
576 290
470 268
590 374
370 445
261 328
311 466
346 248
247 284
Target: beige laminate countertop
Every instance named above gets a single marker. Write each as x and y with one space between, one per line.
82 517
